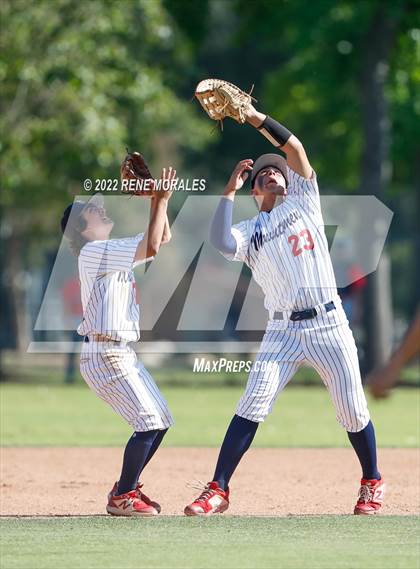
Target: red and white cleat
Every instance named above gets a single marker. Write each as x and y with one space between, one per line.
128 504
212 500
371 495
140 495
146 499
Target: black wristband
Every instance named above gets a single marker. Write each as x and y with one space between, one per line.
275 132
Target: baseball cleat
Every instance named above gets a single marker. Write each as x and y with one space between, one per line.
371 495
146 499
140 495
212 500
128 504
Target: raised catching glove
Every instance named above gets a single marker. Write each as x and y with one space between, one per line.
221 99
134 167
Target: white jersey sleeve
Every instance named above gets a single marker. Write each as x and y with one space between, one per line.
110 256
241 234
304 190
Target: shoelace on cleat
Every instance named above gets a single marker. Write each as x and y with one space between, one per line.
206 491
205 495
142 496
138 490
365 494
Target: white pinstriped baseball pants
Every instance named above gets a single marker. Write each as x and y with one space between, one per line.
325 343
113 372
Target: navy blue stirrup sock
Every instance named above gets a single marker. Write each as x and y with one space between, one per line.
237 441
135 456
364 444
155 445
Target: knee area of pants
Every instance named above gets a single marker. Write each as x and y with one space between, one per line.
355 426
254 419
254 413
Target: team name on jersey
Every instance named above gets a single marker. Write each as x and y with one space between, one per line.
259 238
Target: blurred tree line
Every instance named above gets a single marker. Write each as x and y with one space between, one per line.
83 79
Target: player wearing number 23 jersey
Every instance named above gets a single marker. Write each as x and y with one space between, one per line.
287 251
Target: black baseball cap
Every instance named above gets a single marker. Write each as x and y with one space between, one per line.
70 221
265 160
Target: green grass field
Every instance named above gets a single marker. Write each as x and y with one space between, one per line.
55 414
303 417
223 542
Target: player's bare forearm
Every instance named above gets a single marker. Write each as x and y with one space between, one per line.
296 157
152 240
254 117
284 139
150 244
166 234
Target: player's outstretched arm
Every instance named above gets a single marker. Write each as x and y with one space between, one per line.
282 138
167 235
221 226
152 240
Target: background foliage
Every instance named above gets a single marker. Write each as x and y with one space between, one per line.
81 80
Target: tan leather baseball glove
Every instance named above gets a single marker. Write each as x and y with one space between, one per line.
221 99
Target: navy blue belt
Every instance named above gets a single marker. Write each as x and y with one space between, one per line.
306 314
102 338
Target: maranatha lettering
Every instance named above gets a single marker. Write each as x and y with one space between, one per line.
259 238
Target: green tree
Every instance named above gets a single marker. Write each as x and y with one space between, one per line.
80 81
344 76
322 50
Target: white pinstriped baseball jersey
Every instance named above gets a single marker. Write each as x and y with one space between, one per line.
287 249
110 308
108 289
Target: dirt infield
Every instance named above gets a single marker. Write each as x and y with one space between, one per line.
270 482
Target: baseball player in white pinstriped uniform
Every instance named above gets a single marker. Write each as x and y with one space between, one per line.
286 248
110 323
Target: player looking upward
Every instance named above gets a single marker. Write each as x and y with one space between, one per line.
110 322
286 248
